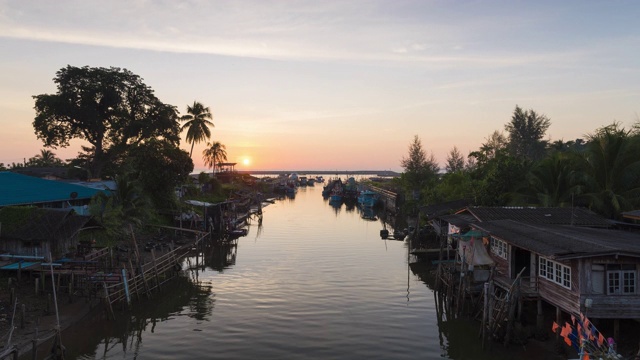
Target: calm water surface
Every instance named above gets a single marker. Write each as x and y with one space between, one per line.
313 282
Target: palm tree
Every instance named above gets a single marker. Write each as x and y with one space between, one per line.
197 123
613 170
214 154
46 158
554 182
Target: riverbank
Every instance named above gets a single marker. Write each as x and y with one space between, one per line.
39 322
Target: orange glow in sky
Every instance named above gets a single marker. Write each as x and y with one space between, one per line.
334 85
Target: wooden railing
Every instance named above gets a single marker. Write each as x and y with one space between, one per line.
132 282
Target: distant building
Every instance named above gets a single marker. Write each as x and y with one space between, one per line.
39 232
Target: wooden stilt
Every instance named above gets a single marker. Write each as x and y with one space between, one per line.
539 318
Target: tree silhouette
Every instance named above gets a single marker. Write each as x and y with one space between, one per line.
197 124
215 153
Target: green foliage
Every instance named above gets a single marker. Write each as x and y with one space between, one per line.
612 170
455 161
454 186
110 108
494 144
497 180
526 130
160 166
109 214
13 217
556 181
203 178
419 170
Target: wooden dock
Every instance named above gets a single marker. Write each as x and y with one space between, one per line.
390 200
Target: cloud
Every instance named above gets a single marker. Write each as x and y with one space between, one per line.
358 31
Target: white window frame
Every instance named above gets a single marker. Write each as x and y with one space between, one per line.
554 272
623 282
499 247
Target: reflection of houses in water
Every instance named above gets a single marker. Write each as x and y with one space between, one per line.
221 256
124 336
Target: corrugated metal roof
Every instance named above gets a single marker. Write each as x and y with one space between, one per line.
541 215
18 189
459 220
634 215
562 241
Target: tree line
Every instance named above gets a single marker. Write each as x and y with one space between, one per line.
521 168
132 137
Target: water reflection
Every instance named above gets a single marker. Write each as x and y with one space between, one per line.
124 335
319 284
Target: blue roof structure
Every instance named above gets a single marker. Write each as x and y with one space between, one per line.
18 189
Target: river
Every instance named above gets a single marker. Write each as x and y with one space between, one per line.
314 281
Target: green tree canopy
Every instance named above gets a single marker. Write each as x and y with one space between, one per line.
159 166
455 161
526 130
110 108
420 170
613 170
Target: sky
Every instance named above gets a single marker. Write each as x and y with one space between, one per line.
334 85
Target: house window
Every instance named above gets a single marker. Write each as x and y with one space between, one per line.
555 272
597 279
621 279
499 248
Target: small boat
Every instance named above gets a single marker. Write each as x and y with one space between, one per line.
368 198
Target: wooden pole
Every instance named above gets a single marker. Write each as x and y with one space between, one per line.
155 268
134 282
34 345
539 317
485 313
513 302
107 300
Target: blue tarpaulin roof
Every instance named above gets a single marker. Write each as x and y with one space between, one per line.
15 265
18 189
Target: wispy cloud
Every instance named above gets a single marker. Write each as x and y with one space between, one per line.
281 30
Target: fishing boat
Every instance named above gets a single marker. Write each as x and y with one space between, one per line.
368 198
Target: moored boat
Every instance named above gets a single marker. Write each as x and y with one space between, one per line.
368 198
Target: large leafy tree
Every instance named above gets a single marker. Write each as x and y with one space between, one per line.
197 122
495 143
159 166
215 153
110 108
526 130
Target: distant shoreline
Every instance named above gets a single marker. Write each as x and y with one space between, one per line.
323 172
